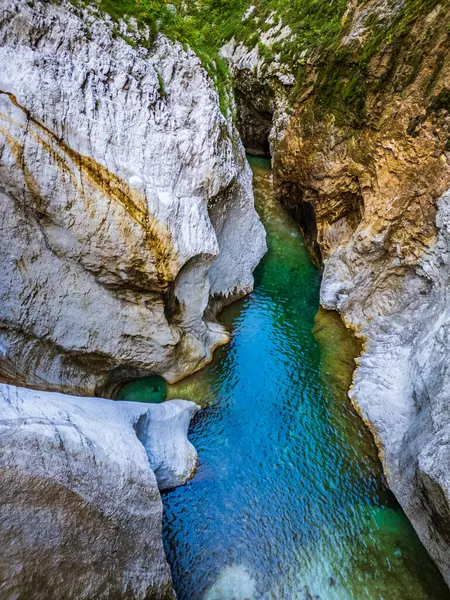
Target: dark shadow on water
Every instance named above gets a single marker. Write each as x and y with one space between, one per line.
151 389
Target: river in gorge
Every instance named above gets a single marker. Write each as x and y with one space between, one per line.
289 500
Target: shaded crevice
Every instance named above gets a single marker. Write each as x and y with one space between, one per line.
327 221
255 109
304 214
173 310
117 378
433 501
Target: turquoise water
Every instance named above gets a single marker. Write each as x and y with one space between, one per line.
151 389
288 501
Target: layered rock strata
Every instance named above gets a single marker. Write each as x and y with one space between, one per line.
80 510
127 207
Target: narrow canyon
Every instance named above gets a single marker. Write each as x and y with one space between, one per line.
301 340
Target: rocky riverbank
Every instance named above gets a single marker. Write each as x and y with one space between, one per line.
80 508
127 220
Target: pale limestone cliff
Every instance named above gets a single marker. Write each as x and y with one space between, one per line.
80 510
127 220
127 207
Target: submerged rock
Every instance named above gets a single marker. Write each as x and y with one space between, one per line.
382 562
233 583
127 207
80 509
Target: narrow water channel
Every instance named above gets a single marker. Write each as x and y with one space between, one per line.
289 500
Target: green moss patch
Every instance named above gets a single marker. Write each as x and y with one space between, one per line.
317 29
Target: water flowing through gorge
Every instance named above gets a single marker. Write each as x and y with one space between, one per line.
181 414
288 500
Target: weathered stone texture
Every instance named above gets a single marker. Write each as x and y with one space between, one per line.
127 206
80 510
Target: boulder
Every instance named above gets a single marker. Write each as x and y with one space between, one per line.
80 509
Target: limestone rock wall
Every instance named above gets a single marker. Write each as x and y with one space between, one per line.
127 207
368 177
80 510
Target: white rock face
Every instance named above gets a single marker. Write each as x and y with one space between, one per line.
163 429
127 207
80 510
402 383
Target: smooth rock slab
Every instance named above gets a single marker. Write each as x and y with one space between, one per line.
163 433
80 510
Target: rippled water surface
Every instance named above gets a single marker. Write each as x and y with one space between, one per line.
288 500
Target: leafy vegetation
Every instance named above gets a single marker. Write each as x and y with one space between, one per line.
205 25
345 81
316 30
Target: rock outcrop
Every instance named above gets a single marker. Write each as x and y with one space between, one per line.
365 166
233 582
80 510
127 208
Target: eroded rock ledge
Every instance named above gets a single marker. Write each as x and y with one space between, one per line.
127 207
80 510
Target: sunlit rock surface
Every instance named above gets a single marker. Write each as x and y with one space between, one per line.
80 510
127 207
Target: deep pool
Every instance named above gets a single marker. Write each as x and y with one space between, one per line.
289 499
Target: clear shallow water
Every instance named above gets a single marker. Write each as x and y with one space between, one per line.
288 500
151 389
